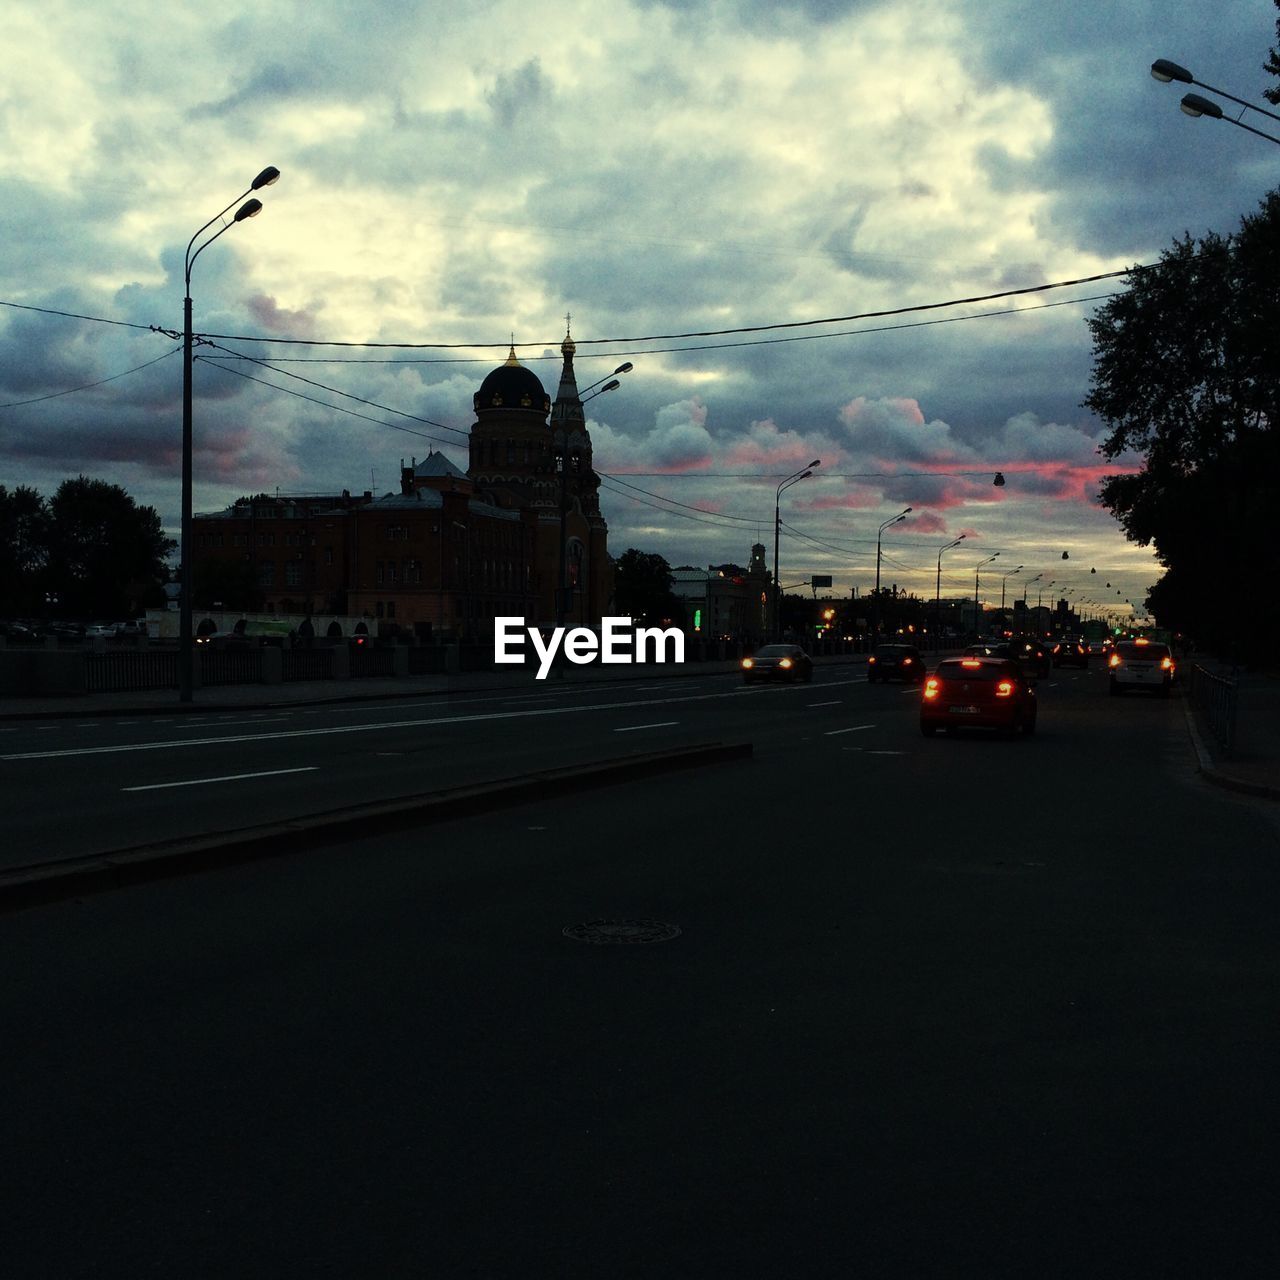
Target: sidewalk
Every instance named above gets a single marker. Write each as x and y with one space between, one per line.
1254 766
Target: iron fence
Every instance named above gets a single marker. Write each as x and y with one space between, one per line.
231 666
307 664
130 670
372 662
1217 697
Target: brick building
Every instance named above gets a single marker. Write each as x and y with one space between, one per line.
451 550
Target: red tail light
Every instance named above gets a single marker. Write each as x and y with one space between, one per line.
1004 689
1114 660
1166 664
906 662
931 687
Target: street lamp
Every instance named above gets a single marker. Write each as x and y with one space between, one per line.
937 595
560 442
1195 106
1003 579
1044 586
794 478
250 209
977 607
902 515
1025 584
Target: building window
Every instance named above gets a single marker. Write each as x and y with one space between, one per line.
266 573
293 573
378 572
391 608
391 571
266 539
328 555
377 608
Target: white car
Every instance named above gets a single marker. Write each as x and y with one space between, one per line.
1141 664
99 629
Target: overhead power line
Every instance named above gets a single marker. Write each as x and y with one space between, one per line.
53 395
693 333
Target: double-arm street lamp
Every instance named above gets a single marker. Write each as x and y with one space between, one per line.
794 478
250 209
901 516
1194 105
937 594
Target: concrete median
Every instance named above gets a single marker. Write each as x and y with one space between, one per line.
75 877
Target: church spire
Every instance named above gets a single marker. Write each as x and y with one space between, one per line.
567 393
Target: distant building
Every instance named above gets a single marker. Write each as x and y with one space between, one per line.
726 599
451 550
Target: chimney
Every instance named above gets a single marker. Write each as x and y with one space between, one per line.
406 479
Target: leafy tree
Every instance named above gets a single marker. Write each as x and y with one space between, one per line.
24 550
105 551
1187 373
642 587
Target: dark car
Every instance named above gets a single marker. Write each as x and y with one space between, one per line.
1036 659
1071 651
896 662
777 662
978 692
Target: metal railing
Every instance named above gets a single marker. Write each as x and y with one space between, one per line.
1216 696
231 666
130 670
307 664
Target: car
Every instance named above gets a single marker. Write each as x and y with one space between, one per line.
1098 648
896 662
777 662
1035 658
1070 651
978 692
1141 664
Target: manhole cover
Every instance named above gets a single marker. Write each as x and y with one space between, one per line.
609 932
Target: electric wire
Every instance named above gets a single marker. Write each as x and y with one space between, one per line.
53 395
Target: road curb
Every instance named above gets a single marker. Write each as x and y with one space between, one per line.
690 670
75 877
1210 773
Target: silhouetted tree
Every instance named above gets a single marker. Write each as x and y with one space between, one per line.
24 550
642 587
1187 374
105 551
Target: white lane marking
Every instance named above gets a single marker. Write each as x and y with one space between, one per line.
885 753
230 777
254 720
908 690
89 724
831 733
836 703
379 727
661 724
46 728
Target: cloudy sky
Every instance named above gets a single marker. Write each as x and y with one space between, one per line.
456 175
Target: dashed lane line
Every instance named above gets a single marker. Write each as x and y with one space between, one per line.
420 722
661 724
831 733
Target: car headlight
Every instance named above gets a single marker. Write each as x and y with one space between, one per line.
785 664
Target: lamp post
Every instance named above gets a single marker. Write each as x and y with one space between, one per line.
1026 582
977 607
795 478
937 595
560 442
1003 579
1194 105
250 209
902 515
1044 586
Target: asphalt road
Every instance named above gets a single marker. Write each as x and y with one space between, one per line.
113 784
936 1007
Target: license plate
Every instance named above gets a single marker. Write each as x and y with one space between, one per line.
963 711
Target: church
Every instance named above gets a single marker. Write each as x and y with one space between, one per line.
518 534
